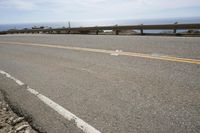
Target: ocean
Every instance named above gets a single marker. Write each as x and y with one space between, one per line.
4 27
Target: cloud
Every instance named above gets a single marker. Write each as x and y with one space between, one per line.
98 9
97 4
166 4
18 4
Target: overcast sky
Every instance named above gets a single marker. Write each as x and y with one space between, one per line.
22 11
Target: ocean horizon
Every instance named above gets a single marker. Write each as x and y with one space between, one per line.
4 27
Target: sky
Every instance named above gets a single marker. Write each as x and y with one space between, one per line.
31 11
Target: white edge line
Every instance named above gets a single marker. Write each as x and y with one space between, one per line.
85 127
13 78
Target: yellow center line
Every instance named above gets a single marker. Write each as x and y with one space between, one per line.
140 55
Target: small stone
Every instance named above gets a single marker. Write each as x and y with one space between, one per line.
11 131
23 127
9 120
17 120
2 125
27 130
7 106
5 109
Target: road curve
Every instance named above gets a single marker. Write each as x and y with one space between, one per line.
114 83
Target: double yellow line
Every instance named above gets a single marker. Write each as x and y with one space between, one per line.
140 55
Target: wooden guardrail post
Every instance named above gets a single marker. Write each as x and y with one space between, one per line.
97 32
117 32
69 28
175 28
141 30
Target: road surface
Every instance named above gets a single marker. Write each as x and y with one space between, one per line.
113 83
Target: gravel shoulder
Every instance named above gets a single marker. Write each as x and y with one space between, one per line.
11 122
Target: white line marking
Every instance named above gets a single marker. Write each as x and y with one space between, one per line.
34 92
13 78
85 127
68 115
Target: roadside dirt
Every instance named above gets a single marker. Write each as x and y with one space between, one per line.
10 122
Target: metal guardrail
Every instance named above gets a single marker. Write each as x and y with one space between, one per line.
116 28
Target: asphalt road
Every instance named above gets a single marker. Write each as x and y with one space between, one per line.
124 93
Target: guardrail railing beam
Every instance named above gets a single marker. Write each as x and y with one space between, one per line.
116 29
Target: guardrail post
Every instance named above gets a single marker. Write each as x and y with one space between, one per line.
175 28
69 28
117 32
97 32
141 30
